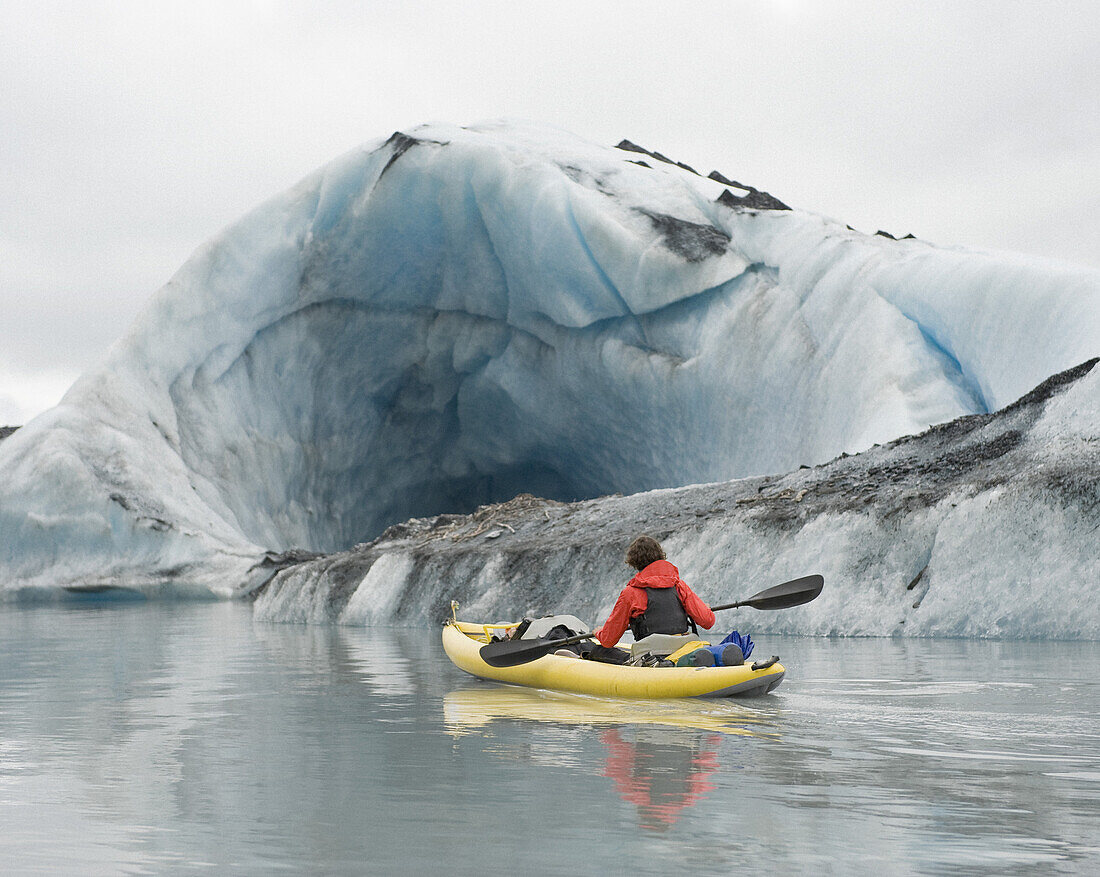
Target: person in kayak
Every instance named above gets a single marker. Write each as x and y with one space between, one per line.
656 600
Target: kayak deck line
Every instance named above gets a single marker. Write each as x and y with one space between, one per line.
462 641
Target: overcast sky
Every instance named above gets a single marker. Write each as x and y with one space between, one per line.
132 132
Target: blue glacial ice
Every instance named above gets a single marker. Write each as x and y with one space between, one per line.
452 316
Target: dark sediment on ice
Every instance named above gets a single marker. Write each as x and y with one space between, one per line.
754 199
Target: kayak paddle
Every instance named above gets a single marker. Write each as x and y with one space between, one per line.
512 652
784 596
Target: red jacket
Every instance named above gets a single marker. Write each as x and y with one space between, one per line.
634 599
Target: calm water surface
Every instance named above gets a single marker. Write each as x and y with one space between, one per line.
187 738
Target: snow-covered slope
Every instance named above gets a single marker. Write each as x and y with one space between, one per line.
452 316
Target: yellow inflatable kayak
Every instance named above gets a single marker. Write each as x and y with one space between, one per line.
462 641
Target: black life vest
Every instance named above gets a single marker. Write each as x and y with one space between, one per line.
664 613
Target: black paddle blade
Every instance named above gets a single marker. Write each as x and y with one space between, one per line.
513 652
788 594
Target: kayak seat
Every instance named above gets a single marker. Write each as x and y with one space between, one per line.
661 644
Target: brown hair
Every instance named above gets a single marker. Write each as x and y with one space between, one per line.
643 551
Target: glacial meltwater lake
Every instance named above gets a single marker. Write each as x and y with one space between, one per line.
184 738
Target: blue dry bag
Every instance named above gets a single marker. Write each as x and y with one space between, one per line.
744 641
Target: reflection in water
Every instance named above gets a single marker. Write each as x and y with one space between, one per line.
190 739
662 777
471 708
658 753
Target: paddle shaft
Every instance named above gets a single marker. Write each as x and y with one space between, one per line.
579 638
729 606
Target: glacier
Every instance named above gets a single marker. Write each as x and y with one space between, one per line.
987 526
449 317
